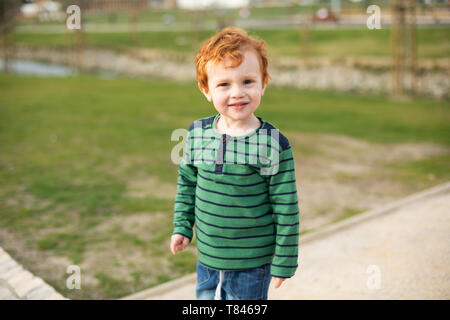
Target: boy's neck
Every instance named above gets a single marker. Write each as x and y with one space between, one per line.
237 127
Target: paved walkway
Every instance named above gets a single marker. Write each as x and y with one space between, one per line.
400 251
403 255
17 283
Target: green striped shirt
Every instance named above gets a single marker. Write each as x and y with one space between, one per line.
241 195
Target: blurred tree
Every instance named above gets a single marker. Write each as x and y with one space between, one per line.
403 45
9 10
77 35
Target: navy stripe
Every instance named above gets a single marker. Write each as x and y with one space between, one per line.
232 217
289 170
224 269
179 224
288 159
239 228
287 235
232 184
225 258
184 223
206 148
258 144
234 247
184 202
228 150
231 206
185 219
287 245
237 141
275 184
280 266
233 195
280 194
234 238
286 256
193 185
198 161
248 154
185 194
186 185
278 163
286 225
180 211
232 174
285 214
205 137
283 204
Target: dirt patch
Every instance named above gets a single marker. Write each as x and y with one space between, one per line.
26 200
131 256
140 184
151 186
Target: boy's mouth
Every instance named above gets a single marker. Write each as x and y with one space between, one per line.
238 105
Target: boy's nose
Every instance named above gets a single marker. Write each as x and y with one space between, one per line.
237 92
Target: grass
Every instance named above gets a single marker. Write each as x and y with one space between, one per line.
70 147
426 172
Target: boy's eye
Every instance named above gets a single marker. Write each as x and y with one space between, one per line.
222 84
248 81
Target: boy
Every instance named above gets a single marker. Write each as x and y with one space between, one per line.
245 211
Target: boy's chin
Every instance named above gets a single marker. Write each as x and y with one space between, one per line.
238 115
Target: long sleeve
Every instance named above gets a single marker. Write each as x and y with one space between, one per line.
184 208
283 198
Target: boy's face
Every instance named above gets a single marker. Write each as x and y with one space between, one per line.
235 92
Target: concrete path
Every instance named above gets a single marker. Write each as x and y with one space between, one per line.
399 251
17 283
403 255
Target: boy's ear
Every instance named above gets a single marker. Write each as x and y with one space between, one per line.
264 86
207 93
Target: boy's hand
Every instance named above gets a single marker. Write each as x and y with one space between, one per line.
278 281
178 243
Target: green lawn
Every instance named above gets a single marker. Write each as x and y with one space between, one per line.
70 146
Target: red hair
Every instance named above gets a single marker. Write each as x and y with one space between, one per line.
229 43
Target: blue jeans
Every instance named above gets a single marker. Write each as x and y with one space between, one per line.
248 284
